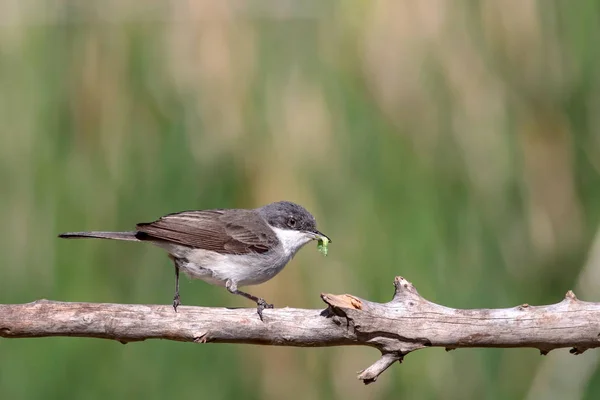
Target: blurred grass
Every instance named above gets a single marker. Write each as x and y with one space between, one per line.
456 146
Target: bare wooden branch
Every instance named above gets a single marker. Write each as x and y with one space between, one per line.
407 323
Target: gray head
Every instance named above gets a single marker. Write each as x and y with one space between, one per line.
290 216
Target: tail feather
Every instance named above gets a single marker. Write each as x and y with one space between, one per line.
101 235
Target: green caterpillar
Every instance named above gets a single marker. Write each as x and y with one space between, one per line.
322 245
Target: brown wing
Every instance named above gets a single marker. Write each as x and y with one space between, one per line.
224 231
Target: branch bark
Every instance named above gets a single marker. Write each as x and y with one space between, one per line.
405 324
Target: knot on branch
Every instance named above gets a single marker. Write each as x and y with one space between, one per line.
570 296
405 292
342 301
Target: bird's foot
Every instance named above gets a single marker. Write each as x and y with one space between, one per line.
261 304
176 301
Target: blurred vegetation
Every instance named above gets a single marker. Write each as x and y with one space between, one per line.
454 144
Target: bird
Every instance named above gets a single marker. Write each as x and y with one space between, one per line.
226 247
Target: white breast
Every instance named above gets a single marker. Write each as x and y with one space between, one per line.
216 268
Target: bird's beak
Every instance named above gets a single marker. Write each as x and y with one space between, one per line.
319 235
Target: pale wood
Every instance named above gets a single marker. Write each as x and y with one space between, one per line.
407 323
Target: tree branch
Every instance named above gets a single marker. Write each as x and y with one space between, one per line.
407 323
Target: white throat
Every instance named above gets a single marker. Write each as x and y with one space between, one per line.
292 240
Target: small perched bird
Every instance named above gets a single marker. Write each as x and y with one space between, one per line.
226 247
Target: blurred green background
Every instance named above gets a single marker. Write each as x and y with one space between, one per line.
454 143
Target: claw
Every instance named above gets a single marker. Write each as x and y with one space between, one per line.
176 302
261 304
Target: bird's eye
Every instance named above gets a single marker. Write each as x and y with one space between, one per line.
292 222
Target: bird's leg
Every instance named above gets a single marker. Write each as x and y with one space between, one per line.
176 298
261 304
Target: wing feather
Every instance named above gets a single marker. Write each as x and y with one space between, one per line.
224 231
